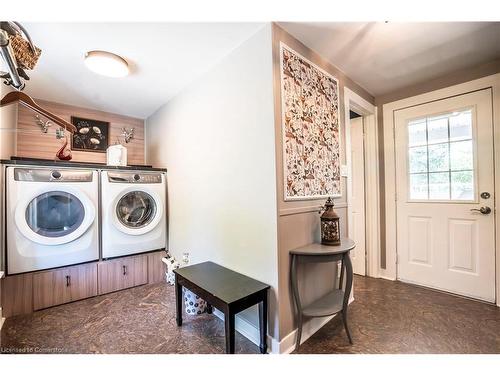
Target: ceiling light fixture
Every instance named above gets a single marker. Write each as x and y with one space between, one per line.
106 64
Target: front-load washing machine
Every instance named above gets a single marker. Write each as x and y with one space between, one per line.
133 212
51 217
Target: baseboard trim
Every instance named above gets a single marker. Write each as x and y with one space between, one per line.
386 278
243 326
287 345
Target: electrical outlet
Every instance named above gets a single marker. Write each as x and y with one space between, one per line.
185 257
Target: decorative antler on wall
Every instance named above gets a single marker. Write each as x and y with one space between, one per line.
127 135
44 125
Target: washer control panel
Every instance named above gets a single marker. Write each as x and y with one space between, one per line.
135 177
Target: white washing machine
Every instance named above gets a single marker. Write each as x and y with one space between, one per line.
133 212
51 217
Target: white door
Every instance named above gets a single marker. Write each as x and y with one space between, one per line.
356 227
444 176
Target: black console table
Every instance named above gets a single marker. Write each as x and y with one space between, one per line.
229 291
338 299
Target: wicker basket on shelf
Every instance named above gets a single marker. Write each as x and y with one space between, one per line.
25 56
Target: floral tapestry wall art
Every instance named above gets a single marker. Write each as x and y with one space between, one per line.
310 119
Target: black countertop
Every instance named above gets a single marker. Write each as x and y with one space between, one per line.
14 160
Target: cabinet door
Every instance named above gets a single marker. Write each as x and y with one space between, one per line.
83 281
17 294
110 276
134 271
156 268
122 273
50 289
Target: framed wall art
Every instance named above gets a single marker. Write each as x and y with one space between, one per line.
90 135
310 127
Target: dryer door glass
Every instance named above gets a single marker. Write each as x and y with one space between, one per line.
55 214
136 209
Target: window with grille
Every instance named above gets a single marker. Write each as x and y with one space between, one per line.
441 157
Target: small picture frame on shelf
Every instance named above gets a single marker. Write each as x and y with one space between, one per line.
91 135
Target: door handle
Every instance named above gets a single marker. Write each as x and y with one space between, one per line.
124 270
68 280
485 210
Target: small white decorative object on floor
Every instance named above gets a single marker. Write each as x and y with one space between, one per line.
116 155
172 264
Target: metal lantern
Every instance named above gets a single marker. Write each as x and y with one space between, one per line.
330 225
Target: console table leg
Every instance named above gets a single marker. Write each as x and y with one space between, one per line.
263 324
347 293
178 302
229 325
344 319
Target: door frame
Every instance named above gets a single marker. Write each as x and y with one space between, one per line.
372 202
491 82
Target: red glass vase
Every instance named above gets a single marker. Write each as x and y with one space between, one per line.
64 153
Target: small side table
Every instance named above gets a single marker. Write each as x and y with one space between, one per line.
338 299
227 290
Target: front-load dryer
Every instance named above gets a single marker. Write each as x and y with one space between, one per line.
133 212
51 217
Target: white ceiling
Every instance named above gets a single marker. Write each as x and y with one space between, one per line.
384 57
165 58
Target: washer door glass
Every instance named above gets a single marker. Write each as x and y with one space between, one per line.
136 209
55 214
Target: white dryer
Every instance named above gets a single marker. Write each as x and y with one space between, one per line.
133 212
51 217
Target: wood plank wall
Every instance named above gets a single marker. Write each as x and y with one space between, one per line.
34 144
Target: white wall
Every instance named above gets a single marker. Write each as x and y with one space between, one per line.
217 140
8 123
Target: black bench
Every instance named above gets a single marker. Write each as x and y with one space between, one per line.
228 291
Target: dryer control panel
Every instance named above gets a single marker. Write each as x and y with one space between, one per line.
135 177
52 175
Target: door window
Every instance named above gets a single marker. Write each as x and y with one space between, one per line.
55 214
136 209
441 157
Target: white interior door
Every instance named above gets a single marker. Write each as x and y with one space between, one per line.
444 176
356 227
